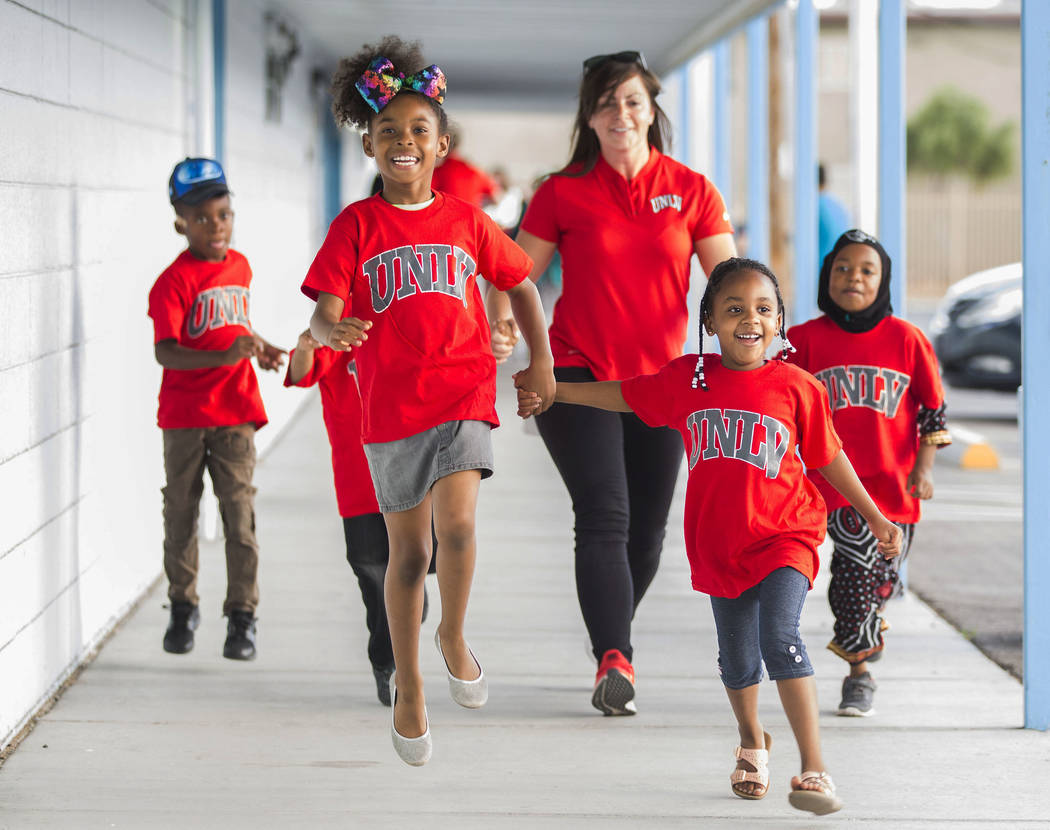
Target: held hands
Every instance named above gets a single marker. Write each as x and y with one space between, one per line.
348 333
536 387
307 342
242 347
505 336
268 356
888 534
920 483
529 403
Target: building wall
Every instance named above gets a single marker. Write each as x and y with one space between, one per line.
98 99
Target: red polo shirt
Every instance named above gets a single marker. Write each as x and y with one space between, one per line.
625 248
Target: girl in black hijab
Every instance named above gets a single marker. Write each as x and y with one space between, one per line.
887 404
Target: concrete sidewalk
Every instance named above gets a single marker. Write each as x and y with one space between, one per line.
297 738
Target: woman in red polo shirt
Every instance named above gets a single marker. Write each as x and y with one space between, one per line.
626 220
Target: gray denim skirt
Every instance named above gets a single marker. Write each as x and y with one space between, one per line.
403 471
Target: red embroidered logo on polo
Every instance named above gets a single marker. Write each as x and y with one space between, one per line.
412 269
668 201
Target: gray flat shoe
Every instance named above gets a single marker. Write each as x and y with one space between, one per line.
413 751
471 694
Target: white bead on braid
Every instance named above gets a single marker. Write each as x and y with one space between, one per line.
785 344
698 373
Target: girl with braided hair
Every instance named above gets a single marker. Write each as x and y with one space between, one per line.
753 520
396 281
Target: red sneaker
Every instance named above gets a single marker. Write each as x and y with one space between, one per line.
614 685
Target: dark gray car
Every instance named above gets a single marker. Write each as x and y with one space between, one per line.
976 330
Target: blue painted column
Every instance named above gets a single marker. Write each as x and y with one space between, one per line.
1035 152
331 163
805 238
218 29
685 115
720 119
892 162
758 139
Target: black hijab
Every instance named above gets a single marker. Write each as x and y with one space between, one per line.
868 318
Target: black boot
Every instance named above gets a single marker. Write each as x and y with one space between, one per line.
382 676
240 636
185 617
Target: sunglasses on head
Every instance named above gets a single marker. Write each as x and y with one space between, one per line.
619 57
859 236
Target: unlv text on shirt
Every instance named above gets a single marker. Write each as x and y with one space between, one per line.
758 440
225 305
874 387
414 269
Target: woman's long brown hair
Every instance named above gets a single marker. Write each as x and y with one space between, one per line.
595 86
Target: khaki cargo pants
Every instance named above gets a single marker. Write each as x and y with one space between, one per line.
228 453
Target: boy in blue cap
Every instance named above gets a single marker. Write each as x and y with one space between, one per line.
210 404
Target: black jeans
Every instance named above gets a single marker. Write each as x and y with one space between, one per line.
368 552
620 475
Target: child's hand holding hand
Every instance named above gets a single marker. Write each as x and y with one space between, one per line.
268 356
889 536
536 387
920 482
505 336
241 348
307 342
348 333
529 403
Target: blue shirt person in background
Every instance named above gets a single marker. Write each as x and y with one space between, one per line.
833 219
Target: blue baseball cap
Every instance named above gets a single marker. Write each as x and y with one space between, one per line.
196 180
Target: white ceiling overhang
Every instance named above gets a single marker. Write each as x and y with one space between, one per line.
523 53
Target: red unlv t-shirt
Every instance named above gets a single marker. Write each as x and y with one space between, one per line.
625 248
204 305
749 508
876 381
428 358
341 405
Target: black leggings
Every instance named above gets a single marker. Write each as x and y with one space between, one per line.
368 551
620 475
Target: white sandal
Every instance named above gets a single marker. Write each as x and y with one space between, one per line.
759 759
819 802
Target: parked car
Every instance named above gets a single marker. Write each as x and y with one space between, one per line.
976 330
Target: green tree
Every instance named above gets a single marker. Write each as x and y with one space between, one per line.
952 133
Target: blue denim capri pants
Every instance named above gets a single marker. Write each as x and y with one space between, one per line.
403 471
761 625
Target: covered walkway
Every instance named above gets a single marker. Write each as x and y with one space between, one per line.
297 738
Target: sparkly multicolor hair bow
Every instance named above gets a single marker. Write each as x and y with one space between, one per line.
381 82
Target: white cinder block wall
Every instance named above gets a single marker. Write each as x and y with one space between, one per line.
97 101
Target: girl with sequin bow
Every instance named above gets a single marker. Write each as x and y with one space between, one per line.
396 280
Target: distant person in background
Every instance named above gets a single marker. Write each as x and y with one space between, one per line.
460 178
833 219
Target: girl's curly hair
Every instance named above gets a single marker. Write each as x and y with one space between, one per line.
349 107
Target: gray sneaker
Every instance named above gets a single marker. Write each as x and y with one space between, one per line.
858 695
